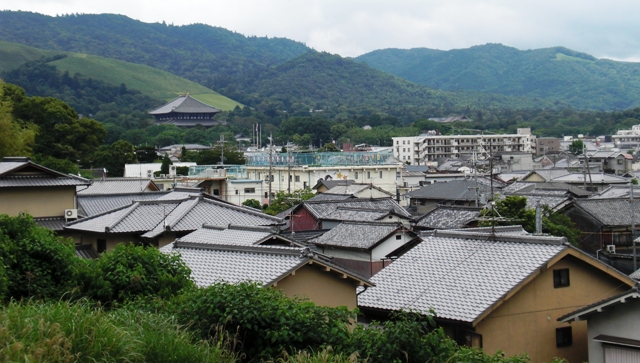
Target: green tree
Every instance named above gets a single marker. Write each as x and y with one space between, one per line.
284 200
114 157
329 147
265 320
37 263
146 154
15 140
60 165
128 272
513 210
253 203
576 147
166 162
61 133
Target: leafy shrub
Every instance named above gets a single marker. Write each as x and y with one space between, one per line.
265 320
130 271
36 262
64 332
253 203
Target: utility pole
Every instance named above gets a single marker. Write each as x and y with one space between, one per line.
633 228
270 176
221 149
289 168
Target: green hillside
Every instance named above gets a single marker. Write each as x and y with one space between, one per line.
555 73
330 82
149 81
12 55
212 56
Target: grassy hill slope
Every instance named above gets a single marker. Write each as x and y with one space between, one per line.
556 73
149 81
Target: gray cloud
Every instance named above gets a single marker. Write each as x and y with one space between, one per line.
354 27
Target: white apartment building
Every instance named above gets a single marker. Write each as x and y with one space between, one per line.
627 138
418 150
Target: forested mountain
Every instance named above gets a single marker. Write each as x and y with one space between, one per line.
253 71
340 86
555 73
211 56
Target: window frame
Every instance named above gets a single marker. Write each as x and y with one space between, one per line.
564 337
558 278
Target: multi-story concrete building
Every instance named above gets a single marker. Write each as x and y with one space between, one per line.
418 150
290 172
545 145
627 138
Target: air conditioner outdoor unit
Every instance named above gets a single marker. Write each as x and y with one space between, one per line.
611 248
172 170
70 214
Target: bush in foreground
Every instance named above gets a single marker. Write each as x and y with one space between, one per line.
65 332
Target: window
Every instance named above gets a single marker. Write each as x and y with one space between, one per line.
368 175
619 161
563 337
298 178
237 191
216 192
101 245
356 175
561 278
249 190
380 175
398 236
266 195
304 185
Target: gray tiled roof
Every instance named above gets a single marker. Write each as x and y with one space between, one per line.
599 306
28 174
610 212
329 196
460 278
548 174
91 205
52 223
548 198
39 181
454 190
326 209
156 216
86 252
234 235
262 265
617 191
449 217
635 275
233 264
599 178
332 183
118 186
557 188
360 214
184 104
360 235
192 215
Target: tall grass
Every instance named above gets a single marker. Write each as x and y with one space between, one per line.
63 332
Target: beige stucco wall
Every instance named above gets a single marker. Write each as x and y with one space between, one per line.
527 321
38 202
534 178
112 239
325 288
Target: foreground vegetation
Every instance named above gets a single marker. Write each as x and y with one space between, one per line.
136 304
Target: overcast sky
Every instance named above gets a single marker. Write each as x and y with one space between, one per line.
604 29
